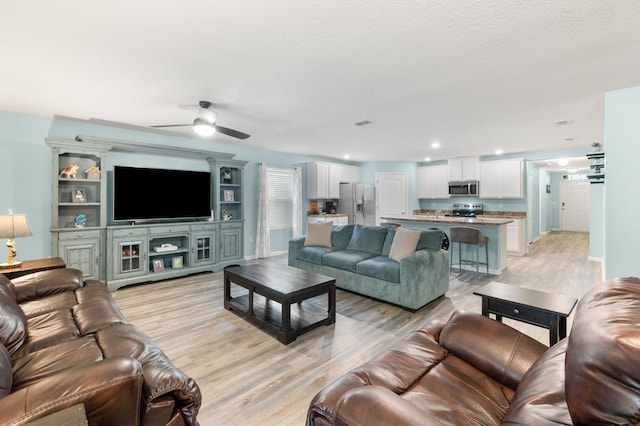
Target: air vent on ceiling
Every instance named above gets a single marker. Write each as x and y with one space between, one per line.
362 122
562 123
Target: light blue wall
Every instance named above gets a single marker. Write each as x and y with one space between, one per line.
596 221
621 200
545 202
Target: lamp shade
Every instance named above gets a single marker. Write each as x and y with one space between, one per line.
14 225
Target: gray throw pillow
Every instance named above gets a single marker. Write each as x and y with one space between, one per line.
368 238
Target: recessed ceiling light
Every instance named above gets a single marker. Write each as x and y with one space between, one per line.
498 152
435 145
427 158
346 156
572 170
563 162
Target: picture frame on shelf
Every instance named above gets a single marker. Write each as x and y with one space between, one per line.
176 262
158 265
78 195
229 195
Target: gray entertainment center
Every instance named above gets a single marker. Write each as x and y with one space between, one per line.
123 254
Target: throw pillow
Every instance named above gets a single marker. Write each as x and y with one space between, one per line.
404 243
368 238
13 327
319 234
431 239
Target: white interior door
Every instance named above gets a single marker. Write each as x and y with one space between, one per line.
391 194
574 206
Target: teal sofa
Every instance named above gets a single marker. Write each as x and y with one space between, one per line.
359 261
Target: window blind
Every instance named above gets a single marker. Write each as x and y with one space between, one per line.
280 198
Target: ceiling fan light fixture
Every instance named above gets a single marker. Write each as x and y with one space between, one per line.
203 128
207 115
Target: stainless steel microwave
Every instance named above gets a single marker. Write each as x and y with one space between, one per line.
462 189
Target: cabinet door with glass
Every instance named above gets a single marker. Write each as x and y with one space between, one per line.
128 253
203 239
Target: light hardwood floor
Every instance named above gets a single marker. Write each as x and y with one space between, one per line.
247 377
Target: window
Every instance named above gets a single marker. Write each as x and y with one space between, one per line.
280 198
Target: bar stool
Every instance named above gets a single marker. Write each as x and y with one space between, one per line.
465 235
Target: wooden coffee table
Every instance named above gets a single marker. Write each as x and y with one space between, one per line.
535 307
274 298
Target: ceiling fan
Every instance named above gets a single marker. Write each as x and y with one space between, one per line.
205 123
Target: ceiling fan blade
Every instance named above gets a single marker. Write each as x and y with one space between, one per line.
172 125
231 132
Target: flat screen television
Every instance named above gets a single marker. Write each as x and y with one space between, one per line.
144 195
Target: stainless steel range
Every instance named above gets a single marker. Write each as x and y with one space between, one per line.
467 209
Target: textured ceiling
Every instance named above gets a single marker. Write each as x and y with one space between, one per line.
474 75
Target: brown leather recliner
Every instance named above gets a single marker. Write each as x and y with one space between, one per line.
64 342
474 370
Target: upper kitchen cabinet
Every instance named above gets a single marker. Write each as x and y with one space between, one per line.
317 180
324 179
432 182
463 169
502 179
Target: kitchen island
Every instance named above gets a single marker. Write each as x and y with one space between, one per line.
493 228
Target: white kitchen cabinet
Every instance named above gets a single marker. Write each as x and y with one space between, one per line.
463 169
432 182
338 173
318 180
324 179
516 239
355 174
502 179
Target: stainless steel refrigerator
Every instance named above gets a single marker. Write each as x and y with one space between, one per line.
357 202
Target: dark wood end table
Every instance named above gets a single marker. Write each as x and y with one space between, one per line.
535 307
288 287
31 266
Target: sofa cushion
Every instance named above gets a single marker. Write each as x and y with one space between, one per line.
341 235
346 259
368 238
6 372
380 267
386 247
318 234
430 239
540 395
13 326
404 243
6 287
313 254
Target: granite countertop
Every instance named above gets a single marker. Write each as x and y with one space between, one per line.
485 214
431 218
327 214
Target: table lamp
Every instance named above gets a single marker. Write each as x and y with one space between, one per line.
11 226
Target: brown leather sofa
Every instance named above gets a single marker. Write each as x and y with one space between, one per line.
474 370
64 342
